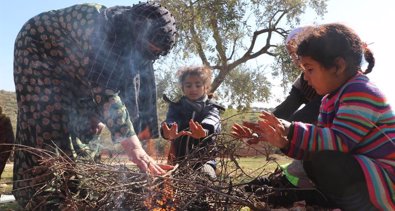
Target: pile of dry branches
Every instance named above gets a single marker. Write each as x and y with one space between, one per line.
84 184
116 184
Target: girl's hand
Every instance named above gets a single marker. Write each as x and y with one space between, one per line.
249 131
172 132
196 130
275 130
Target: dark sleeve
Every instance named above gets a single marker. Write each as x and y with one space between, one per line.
293 101
172 114
147 105
211 123
309 112
138 93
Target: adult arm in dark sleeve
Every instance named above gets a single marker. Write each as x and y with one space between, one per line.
309 112
291 104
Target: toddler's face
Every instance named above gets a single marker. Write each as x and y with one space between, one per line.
193 87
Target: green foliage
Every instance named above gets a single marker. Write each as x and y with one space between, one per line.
242 87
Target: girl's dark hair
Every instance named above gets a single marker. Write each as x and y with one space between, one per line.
328 42
202 72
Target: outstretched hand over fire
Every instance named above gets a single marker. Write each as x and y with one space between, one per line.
139 156
275 130
172 132
268 129
196 130
246 132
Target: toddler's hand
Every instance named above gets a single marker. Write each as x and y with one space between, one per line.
172 132
197 130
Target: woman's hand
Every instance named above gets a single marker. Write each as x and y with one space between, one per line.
137 154
172 132
96 126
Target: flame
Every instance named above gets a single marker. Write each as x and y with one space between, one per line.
161 198
171 154
151 148
145 135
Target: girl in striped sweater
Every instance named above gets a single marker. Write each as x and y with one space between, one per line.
350 153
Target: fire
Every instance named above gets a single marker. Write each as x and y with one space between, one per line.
145 135
151 150
161 198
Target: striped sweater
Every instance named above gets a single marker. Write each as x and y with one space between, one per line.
355 119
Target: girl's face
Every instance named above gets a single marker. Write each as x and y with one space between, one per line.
323 80
193 87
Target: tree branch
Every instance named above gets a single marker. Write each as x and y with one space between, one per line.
195 37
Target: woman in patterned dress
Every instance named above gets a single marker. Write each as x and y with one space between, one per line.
78 68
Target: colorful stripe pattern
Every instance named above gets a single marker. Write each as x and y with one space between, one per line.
357 120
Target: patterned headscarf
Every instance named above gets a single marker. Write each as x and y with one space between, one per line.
145 24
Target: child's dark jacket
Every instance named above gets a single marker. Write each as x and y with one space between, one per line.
204 111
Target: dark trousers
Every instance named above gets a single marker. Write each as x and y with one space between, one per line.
340 178
6 140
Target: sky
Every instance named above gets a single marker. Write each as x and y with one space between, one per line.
372 20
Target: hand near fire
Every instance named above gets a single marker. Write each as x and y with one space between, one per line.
269 129
172 132
139 156
247 132
196 131
275 130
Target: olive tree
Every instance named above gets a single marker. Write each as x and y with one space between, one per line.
227 35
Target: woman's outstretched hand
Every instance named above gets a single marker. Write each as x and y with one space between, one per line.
139 156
